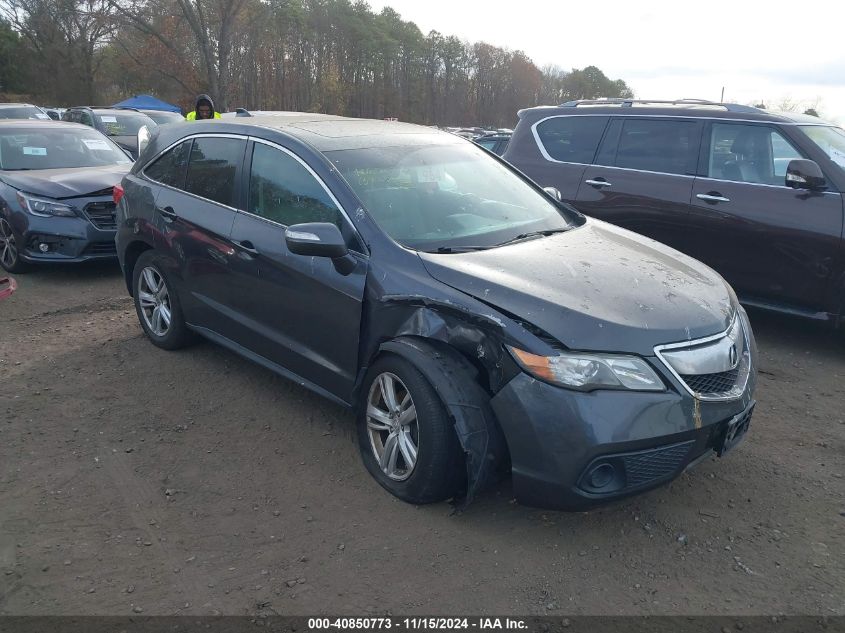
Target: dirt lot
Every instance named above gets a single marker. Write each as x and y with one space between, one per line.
195 482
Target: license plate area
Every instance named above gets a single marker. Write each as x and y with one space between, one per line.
734 431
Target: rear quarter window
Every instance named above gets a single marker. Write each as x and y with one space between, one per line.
570 139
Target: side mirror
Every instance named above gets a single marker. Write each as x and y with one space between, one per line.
554 193
144 135
320 239
805 174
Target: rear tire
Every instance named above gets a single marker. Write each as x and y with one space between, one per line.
406 437
157 304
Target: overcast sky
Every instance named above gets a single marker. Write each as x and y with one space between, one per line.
758 51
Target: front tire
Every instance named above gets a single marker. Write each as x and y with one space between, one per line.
10 245
157 304
406 437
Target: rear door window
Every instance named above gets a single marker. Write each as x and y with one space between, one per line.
659 145
169 168
570 139
213 168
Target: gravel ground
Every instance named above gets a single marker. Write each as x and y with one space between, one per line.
134 480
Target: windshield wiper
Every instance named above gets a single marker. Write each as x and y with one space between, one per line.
526 236
458 249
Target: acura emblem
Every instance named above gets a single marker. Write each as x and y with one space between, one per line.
733 356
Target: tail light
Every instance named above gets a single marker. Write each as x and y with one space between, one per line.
117 193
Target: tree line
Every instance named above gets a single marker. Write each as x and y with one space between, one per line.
333 56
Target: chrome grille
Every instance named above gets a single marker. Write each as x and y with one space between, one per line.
712 368
102 215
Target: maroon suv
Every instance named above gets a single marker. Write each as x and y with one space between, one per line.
756 195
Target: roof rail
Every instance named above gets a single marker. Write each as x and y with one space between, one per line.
627 103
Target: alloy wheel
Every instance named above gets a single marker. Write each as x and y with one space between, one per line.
154 300
392 426
8 245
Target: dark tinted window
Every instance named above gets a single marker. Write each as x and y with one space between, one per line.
572 139
282 190
658 145
169 169
213 167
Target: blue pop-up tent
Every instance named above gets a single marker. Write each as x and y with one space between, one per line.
147 102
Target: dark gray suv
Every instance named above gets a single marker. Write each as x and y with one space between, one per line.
755 195
473 322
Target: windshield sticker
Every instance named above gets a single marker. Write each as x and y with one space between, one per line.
837 156
108 119
35 151
96 143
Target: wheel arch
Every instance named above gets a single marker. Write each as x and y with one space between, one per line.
456 382
131 254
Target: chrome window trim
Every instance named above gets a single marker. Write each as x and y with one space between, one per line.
658 349
542 147
762 184
319 181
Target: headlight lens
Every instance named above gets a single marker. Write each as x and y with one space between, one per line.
44 207
586 372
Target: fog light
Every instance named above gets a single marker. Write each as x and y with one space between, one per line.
43 247
601 475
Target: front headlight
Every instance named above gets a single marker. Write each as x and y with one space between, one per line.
44 207
586 372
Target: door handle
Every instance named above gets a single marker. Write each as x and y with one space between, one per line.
712 197
246 246
597 183
167 212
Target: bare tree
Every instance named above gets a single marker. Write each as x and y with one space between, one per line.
214 25
66 35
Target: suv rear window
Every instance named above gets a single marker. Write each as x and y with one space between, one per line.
666 146
571 139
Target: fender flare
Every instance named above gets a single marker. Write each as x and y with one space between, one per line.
468 405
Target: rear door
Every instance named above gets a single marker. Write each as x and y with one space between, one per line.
556 150
195 215
643 177
772 243
299 312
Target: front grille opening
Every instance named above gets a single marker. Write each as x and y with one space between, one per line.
100 248
102 215
720 382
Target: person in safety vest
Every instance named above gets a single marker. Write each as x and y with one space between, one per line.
204 109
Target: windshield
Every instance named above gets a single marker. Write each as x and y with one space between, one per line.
57 148
123 124
165 117
445 196
22 112
830 139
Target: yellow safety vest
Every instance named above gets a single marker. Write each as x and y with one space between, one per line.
192 116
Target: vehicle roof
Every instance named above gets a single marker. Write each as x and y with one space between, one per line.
327 132
106 110
691 110
16 105
42 123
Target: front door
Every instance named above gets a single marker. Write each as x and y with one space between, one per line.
298 312
772 243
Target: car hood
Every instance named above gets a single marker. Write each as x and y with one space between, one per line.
595 287
66 183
